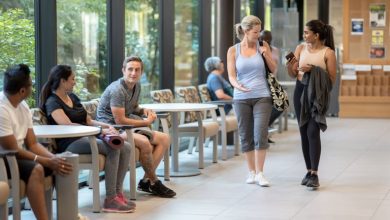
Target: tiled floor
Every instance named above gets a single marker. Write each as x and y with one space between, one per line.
354 176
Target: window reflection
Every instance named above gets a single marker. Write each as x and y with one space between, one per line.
141 39
186 42
82 44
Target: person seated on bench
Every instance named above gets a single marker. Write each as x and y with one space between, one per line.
16 133
119 105
62 107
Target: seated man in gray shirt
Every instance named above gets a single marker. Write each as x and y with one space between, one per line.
119 105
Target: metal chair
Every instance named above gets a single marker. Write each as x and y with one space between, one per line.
18 188
227 123
190 129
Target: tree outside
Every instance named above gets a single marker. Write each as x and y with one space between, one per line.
17 41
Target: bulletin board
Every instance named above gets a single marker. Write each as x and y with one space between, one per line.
366 32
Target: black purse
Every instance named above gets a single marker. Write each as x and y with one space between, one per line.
278 94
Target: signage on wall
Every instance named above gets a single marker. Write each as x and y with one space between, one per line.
377 15
377 52
377 37
357 26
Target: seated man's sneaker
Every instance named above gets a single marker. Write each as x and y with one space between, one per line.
115 205
160 190
251 177
144 186
306 179
313 181
261 180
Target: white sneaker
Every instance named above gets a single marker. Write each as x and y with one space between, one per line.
251 177
261 180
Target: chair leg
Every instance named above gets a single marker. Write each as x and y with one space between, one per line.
197 144
15 190
201 153
224 144
95 175
191 145
215 149
165 127
96 190
90 179
207 143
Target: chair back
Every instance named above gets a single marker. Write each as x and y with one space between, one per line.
163 96
39 118
204 93
189 94
91 107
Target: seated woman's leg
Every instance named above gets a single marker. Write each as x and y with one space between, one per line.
124 161
112 203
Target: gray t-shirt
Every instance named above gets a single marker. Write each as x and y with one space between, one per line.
117 94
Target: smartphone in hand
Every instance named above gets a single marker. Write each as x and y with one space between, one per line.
289 56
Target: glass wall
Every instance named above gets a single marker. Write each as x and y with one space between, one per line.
17 41
141 39
246 8
186 42
82 43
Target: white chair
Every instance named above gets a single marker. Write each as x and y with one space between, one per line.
228 123
191 129
18 188
93 162
4 188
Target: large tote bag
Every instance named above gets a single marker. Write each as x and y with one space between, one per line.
278 94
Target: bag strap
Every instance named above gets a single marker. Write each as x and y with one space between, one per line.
267 71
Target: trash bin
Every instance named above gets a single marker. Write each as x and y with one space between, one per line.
67 189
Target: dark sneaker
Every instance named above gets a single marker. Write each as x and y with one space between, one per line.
306 179
271 141
144 186
129 203
159 189
115 205
313 181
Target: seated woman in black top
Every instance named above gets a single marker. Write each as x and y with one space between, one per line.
62 107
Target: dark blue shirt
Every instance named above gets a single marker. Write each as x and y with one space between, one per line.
216 82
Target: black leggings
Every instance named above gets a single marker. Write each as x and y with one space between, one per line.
310 133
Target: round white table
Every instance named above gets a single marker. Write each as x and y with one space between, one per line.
175 109
67 197
64 131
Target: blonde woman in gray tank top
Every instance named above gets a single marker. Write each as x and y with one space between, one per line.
317 50
252 101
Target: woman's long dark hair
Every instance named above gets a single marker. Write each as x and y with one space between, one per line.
56 74
325 32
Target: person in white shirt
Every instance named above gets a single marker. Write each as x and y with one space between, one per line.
16 133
